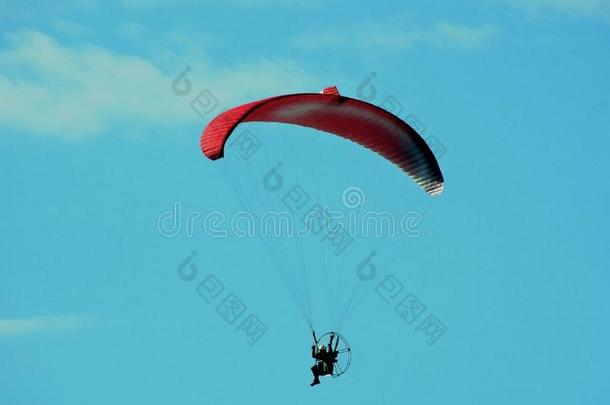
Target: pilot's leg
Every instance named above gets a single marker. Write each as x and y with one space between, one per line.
315 371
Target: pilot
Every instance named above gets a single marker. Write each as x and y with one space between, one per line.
325 358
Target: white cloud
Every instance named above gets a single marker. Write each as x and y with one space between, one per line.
74 92
132 30
44 324
576 8
392 35
70 28
464 36
139 4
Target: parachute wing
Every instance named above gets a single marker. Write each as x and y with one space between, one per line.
358 121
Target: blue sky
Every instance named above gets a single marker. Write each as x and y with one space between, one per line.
96 146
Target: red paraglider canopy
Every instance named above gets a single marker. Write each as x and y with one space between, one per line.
358 121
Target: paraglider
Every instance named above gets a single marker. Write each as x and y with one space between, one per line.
328 111
349 118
